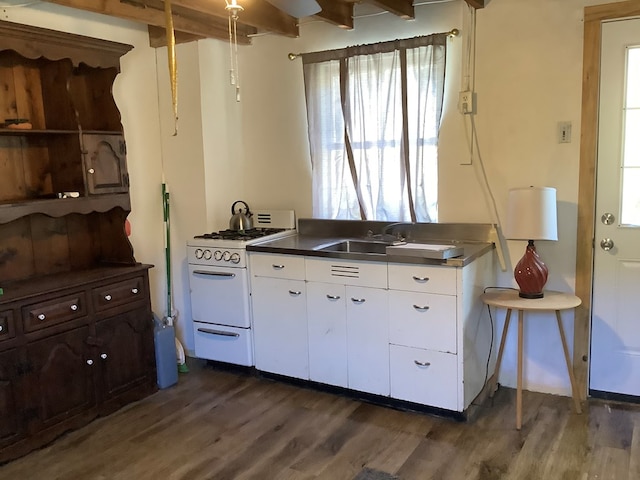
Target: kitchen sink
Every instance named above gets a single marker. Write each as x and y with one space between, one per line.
356 246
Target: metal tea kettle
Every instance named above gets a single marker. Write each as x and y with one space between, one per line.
240 221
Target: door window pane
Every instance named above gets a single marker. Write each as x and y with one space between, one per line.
630 204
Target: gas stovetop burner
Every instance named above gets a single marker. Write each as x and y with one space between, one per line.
240 234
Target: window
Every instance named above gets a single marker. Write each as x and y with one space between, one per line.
374 115
630 215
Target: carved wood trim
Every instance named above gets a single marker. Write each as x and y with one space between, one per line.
34 42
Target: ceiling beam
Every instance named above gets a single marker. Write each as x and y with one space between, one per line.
338 13
210 27
403 8
158 37
476 3
257 13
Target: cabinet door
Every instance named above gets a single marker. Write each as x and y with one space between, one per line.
368 339
105 163
125 352
61 381
280 326
327 318
11 419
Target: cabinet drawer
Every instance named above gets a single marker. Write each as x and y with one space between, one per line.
424 376
423 278
422 320
7 329
126 291
347 272
277 266
59 310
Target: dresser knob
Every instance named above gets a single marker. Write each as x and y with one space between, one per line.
89 362
134 291
1 328
103 356
107 298
74 307
41 317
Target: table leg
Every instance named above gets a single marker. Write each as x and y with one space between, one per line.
519 390
496 372
574 392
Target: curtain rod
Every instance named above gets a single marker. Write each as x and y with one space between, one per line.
451 33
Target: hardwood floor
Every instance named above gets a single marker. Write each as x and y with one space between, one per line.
223 425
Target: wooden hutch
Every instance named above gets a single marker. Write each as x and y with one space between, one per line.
76 328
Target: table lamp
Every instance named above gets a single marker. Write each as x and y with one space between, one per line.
531 215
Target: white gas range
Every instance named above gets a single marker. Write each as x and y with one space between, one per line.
219 285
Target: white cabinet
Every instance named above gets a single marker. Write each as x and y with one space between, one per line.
279 317
413 332
440 336
348 327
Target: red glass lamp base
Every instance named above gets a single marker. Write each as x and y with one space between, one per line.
531 273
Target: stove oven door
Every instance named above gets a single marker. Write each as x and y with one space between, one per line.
220 295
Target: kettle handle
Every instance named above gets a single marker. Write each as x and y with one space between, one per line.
245 206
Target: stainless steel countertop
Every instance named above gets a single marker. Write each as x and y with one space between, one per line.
307 245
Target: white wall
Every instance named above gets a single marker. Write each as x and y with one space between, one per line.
527 78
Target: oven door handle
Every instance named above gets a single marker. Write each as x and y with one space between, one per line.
214 274
218 332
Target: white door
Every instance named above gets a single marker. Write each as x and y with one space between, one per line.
615 339
327 318
368 339
280 326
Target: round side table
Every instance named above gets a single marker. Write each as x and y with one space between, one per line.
552 301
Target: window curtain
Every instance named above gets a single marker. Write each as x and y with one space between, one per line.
374 114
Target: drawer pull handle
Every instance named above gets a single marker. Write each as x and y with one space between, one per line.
89 362
333 297
357 300
218 332
214 274
41 317
1 328
295 293
277 267
107 298
103 356
74 307
421 279
422 364
421 309
134 291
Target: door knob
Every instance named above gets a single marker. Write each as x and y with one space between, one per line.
606 244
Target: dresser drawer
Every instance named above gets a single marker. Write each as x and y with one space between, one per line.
347 272
120 293
53 312
423 320
7 328
424 376
277 266
423 278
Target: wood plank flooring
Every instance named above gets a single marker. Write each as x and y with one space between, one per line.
224 425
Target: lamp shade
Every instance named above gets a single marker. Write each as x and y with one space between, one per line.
532 214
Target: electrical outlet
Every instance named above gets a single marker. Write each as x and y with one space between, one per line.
564 132
465 102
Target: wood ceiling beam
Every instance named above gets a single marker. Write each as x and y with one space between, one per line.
158 37
476 3
403 8
257 13
204 26
338 13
